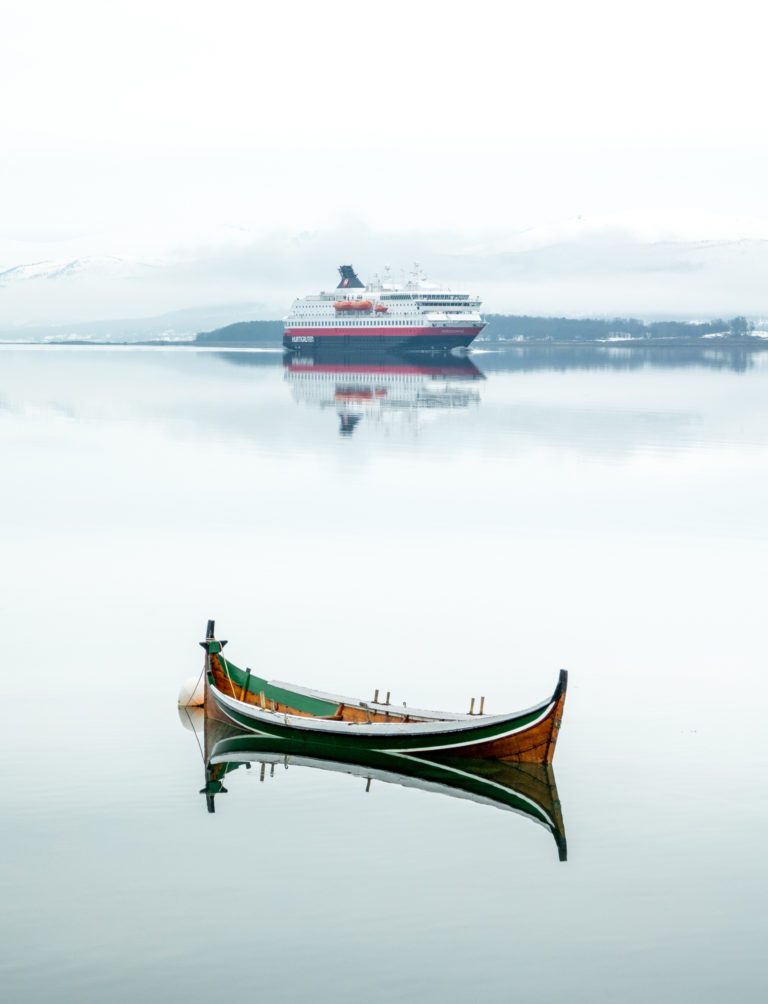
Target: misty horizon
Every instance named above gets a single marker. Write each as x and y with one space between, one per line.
595 269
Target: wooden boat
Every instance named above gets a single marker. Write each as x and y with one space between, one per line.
527 789
287 711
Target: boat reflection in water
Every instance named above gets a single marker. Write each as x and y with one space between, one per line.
527 789
384 387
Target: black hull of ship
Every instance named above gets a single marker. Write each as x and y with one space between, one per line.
343 344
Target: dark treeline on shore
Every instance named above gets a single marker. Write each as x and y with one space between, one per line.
502 327
512 327
244 333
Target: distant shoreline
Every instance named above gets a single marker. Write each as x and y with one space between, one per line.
727 342
502 331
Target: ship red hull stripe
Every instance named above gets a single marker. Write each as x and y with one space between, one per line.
381 332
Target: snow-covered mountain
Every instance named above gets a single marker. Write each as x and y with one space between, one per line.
48 269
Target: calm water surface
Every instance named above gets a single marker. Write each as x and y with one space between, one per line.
441 534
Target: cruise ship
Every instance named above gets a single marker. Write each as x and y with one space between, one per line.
384 314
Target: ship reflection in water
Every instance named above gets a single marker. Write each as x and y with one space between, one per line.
527 789
382 388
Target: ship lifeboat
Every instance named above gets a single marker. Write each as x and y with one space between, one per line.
362 305
342 305
380 308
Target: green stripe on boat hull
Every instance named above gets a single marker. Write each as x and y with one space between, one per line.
257 685
377 739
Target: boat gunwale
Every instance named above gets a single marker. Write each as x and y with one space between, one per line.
405 711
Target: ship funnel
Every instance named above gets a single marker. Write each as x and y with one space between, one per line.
349 279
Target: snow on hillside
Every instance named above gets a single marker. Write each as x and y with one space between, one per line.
61 269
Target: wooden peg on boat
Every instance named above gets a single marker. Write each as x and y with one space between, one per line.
387 700
482 704
376 696
244 691
472 707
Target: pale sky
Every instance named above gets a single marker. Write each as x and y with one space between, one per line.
405 117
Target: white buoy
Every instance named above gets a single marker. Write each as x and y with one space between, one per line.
192 718
192 692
